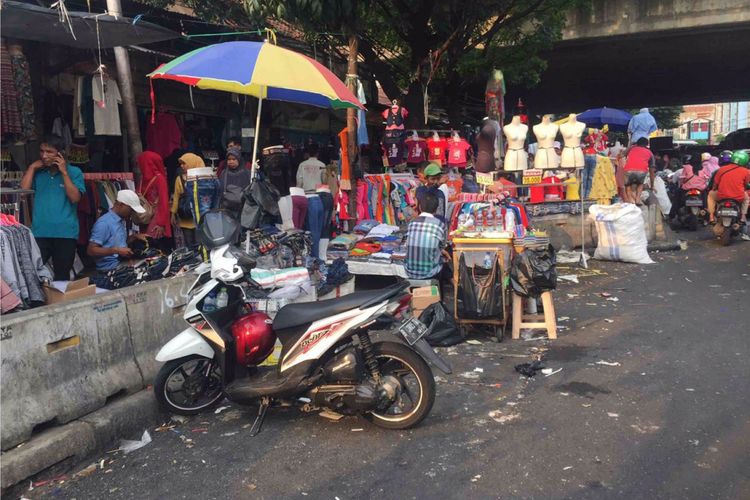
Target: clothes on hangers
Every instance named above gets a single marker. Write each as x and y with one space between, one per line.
436 150
395 117
164 135
458 152
416 150
21 264
107 98
314 221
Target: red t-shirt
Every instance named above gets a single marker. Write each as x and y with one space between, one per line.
417 150
639 159
436 149
730 181
457 151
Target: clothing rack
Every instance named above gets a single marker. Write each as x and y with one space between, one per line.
114 176
13 209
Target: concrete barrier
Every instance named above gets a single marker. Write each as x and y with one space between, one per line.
64 361
155 315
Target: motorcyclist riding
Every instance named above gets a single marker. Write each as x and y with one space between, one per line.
731 182
725 157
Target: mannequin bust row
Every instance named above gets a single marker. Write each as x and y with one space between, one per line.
516 158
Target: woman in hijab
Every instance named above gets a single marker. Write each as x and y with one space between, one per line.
181 211
153 187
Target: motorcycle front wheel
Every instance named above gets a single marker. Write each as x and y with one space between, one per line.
188 385
417 386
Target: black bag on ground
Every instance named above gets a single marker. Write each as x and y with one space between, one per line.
533 272
442 330
480 291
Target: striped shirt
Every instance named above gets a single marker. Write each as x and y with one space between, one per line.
425 239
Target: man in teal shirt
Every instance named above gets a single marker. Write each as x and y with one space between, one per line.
58 188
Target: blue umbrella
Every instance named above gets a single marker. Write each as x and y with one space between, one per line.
617 119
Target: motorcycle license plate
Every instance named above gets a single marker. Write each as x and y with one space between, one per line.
694 202
413 330
728 212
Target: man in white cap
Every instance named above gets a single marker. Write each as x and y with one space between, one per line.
109 237
641 125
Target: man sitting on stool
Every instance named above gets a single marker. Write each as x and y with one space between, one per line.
425 242
109 237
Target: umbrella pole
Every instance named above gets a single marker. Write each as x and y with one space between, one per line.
255 139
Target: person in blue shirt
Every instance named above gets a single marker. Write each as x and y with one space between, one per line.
109 237
58 188
641 125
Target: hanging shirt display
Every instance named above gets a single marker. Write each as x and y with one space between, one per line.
106 109
458 153
416 150
164 135
436 150
395 116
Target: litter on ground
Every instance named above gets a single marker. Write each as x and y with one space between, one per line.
608 363
127 445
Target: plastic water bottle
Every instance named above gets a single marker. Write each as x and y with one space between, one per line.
487 260
222 299
209 303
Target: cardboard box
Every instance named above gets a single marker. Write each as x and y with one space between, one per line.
74 290
423 297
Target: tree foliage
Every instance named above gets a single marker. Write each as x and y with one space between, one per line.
447 46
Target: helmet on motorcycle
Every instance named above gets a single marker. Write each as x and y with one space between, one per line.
740 158
725 157
686 159
217 228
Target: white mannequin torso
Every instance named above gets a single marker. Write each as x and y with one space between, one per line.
516 157
545 156
572 155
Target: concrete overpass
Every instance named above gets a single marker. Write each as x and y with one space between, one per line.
633 53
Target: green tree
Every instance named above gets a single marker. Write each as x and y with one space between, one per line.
418 46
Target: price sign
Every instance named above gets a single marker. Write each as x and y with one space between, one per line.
487 179
532 176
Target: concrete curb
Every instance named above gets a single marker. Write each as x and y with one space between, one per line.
92 433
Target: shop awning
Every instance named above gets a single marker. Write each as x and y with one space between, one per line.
31 22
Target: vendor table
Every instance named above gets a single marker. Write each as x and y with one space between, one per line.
474 251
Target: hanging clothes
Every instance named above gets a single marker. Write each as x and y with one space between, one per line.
416 150
21 265
362 138
436 150
10 116
604 184
107 98
22 80
458 153
395 117
164 135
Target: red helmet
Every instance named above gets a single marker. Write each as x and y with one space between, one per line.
254 338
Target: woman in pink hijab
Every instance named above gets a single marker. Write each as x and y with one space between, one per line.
710 165
153 187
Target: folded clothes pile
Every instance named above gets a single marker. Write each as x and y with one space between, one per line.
277 278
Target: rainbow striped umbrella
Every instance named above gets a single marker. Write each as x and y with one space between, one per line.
259 69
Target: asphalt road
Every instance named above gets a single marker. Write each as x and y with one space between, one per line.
667 416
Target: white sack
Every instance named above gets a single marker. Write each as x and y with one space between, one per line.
621 232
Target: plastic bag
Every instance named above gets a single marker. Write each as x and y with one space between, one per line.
442 330
621 233
480 291
533 272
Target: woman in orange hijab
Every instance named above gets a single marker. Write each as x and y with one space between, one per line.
153 187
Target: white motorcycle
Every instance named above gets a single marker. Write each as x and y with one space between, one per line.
321 366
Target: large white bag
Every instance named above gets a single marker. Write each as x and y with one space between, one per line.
622 233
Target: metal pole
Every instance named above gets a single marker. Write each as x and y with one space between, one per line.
257 133
126 90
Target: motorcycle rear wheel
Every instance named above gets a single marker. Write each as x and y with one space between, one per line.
414 373
194 400
726 236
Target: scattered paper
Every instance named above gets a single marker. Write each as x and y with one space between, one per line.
548 371
331 415
609 320
690 389
608 363
221 409
126 445
613 299
563 318
569 277
613 415
359 429
473 342
605 294
572 295
568 467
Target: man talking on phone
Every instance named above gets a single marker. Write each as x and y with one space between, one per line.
58 188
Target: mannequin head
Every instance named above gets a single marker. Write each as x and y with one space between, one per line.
572 118
545 119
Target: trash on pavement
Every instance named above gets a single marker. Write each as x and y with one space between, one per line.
608 363
479 370
330 415
473 342
442 330
221 409
568 277
609 320
359 429
87 471
613 415
127 445
529 369
498 417
548 371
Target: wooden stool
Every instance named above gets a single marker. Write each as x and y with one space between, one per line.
522 320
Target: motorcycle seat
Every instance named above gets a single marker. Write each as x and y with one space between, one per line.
292 315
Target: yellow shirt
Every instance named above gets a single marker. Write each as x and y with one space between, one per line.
178 190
